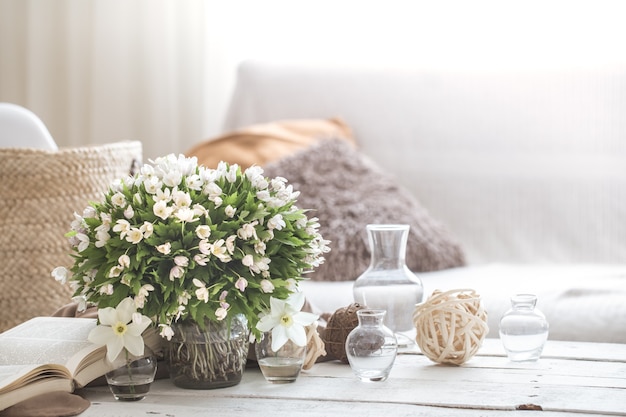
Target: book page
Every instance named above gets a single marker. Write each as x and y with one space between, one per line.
45 340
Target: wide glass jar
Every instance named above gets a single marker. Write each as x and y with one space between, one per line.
210 357
523 329
388 284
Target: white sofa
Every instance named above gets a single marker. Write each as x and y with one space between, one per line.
526 168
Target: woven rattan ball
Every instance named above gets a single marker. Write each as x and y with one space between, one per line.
339 325
450 326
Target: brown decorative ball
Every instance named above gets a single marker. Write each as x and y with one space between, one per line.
340 324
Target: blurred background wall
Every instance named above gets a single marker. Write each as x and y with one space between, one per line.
162 71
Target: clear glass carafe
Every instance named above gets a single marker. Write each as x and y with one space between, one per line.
523 329
388 284
371 347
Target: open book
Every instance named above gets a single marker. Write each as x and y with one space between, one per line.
47 354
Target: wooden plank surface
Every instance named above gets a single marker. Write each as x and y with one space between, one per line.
487 385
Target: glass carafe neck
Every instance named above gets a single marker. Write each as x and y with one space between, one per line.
387 245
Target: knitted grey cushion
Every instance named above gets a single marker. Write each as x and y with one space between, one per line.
347 191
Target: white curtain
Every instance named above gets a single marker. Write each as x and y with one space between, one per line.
99 71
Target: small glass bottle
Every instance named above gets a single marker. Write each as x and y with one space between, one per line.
371 347
388 284
523 329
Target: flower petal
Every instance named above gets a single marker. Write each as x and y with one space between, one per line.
296 334
114 347
134 344
100 335
107 316
303 318
279 337
277 306
296 300
136 329
266 323
125 310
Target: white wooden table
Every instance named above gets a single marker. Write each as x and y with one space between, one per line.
581 379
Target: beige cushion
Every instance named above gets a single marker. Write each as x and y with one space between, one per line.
260 144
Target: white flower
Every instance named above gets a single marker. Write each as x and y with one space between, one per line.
181 260
60 274
124 261
212 190
143 293
134 235
259 247
267 286
202 293
218 249
120 328
161 210
286 321
102 237
147 229
230 211
115 271
185 214
292 284
81 301
194 182
276 222
165 248
162 195
241 284
200 211
176 272
83 241
247 231
230 244
248 260
118 199
181 198
203 231
129 212
221 313
166 331
106 289
172 178
201 259
122 227
152 185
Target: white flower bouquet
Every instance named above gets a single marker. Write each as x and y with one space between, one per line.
187 242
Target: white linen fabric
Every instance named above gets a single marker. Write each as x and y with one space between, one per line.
581 302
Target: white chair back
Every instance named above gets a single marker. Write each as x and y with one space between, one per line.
21 128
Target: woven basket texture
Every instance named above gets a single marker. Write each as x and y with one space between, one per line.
39 193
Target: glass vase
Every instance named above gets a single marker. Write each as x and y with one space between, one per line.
523 329
280 366
388 284
211 357
371 347
132 377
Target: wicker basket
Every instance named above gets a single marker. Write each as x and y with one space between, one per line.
39 193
